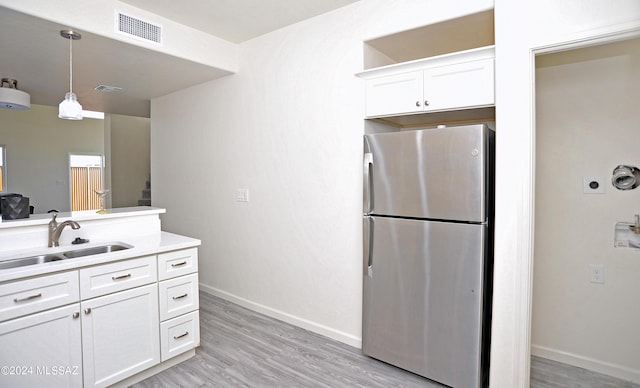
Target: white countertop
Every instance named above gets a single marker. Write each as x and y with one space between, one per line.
142 246
43 219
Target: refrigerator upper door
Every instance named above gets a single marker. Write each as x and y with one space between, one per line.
423 295
431 173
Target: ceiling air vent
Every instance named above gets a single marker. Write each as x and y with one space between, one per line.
139 28
107 88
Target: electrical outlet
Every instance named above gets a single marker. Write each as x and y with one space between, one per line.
593 185
596 273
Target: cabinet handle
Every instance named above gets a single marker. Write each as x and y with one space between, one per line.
417 103
179 264
87 310
18 300
180 296
186 333
426 102
121 277
76 315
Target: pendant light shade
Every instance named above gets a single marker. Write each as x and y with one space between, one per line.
70 108
11 97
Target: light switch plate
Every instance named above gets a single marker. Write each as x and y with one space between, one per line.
242 195
593 185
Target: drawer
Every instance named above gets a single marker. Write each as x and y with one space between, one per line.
177 263
178 335
108 278
178 296
38 294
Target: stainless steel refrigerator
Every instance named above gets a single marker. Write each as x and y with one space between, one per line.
428 237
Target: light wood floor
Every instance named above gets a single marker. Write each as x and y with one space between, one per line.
242 348
551 374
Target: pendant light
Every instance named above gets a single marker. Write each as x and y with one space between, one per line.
70 108
11 97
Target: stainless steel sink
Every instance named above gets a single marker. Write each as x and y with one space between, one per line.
30 260
94 250
45 258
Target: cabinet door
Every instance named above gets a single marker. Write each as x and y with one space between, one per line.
42 350
394 94
461 85
120 335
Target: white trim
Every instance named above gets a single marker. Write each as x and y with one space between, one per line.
154 370
285 317
589 363
605 35
470 55
511 322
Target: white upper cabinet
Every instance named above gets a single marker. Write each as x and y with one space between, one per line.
458 86
461 80
395 94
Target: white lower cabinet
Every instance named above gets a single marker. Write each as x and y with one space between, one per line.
179 304
178 296
42 349
100 325
180 334
120 335
38 294
109 278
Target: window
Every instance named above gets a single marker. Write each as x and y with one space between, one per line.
86 177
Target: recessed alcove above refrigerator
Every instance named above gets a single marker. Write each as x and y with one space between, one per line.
442 73
445 37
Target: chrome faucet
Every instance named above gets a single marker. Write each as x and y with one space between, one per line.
55 229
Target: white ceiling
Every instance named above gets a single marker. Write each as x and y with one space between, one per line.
33 52
238 20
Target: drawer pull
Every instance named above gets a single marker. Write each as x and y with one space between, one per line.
87 311
180 264
180 296
186 333
121 277
76 315
18 300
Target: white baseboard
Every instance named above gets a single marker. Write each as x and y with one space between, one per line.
286 317
591 364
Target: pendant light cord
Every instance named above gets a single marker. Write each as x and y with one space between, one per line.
70 64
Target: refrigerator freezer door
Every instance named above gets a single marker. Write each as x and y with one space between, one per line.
431 173
423 298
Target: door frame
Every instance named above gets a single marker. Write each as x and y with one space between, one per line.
515 201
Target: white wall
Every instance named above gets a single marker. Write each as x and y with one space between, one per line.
521 28
288 126
38 147
130 158
575 321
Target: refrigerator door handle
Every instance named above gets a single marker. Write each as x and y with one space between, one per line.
367 246
366 198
